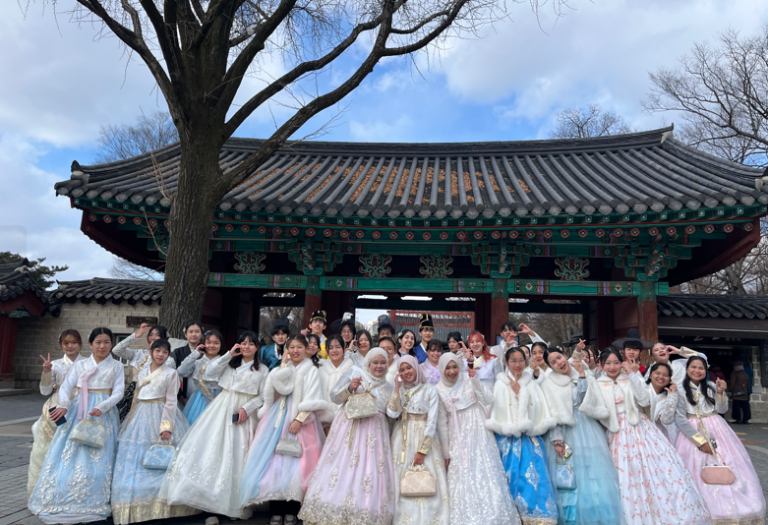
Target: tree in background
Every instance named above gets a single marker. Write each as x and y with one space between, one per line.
43 275
720 90
591 121
199 52
150 132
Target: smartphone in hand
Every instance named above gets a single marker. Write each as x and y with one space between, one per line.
62 419
235 418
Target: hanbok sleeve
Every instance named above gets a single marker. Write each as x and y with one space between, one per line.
169 410
187 367
340 392
70 382
443 430
216 367
721 400
685 426
123 348
312 398
118 389
668 409
256 402
687 352
395 406
483 393
639 389
46 382
433 399
536 339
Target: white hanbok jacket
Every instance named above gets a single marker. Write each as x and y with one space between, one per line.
633 391
55 378
558 394
516 414
243 379
329 375
109 376
304 383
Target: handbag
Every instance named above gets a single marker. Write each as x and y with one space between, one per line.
361 406
740 393
418 483
288 447
565 479
90 433
717 474
159 457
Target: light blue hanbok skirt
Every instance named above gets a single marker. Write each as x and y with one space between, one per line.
75 481
525 462
135 489
596 498
197 404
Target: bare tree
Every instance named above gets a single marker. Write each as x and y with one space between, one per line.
200 51
720 91
149 133
122 269
591 121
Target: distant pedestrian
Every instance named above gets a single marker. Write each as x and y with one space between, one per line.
739 387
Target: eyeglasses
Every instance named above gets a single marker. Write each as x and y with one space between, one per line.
517 361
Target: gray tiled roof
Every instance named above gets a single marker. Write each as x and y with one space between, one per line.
15 280
613 174
96 289
725 306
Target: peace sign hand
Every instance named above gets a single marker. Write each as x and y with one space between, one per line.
634 366
47 365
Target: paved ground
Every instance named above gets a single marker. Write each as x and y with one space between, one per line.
16 443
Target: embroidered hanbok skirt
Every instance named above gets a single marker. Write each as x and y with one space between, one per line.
477 446
656 488
75 480
134 488
196 404
525 463
410 511
43 431
354 479
209 462
595 500
274 477
742 502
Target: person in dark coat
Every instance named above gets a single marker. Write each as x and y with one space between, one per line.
739 386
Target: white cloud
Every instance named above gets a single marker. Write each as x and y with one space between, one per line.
381 131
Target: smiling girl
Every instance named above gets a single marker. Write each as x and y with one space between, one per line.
93 387
331 370
195 366
664 396
206 470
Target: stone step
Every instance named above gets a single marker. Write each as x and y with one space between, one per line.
5 392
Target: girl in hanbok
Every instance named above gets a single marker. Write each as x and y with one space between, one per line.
662 352
520 416
293 401
483 358
75 480
313 348
51 380
354 480
470 451
194 368
664 398
706 439
646 461
388 345
331 370
415 442
137 358
362 345
578 444
539 361
431 367
154 418
209 462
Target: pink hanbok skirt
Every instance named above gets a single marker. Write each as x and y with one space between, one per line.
743 502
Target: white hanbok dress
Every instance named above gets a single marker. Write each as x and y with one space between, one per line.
329 375
417 410
44 428
210 460
477 484
662 412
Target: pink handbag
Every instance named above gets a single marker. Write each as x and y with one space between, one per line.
717 474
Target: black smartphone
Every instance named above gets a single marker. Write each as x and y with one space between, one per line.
235 418
62 419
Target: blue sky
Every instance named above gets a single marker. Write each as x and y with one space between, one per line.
61 83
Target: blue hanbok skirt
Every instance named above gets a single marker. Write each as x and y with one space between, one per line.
525 462
135 489
596 498
197 404
75 481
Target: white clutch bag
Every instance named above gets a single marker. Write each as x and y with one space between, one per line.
289 447
418 483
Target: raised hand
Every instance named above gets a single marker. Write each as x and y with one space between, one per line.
579 367
201 349
472 372
352 345
47 365
525 329
515 386
721 386
398 382
305 332
673 350
143 329
634 366
672 388
581 346
236 351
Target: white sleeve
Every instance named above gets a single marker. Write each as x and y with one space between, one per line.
639 389
217 367
123 348
118 389
443 420
46 382
168 419
187 367
483 393
312 398
433 398
254 404
70 382
668 409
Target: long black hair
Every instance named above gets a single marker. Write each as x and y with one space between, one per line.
236 361
315 359
547 351
162 331
654 368
704 388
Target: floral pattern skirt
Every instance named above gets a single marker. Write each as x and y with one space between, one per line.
354 479
656 488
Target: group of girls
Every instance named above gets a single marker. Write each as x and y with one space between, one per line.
549 440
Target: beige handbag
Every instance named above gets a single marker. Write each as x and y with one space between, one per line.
719 473
418 483
89 433
361 406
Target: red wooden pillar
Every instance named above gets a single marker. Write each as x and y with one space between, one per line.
499 310
313 299
647 319
605 320
8 328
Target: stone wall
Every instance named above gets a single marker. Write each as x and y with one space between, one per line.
39 336
758 401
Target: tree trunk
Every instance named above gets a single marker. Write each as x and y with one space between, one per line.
198 193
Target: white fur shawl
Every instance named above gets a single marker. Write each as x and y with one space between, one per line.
526 413
302 381
634 393
559 398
